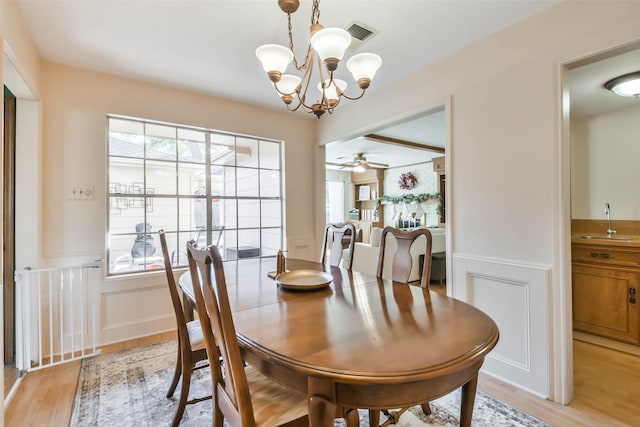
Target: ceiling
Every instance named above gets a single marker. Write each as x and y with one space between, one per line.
428 130
208 46
586 80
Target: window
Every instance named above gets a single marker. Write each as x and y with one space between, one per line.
335 201
210 186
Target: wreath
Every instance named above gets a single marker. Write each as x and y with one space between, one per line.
407 181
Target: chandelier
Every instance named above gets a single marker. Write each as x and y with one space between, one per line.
326 49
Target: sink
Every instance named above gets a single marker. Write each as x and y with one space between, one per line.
619 239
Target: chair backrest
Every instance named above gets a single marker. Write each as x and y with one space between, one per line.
402 260
230 390
173 290
337 232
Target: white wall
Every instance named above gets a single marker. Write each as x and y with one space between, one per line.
427 183
604 165
75 104
505 170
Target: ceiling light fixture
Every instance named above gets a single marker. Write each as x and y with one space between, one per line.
327 46
626 85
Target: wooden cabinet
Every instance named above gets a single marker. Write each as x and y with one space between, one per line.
605 281
367 186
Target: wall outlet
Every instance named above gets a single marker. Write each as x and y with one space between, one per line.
81 192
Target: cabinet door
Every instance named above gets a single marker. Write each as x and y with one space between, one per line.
601 301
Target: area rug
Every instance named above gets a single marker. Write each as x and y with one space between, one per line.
128 389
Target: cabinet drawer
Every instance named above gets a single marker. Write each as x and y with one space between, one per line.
605 255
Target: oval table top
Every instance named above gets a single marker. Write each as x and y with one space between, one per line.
359 329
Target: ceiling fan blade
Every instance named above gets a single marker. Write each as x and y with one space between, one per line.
378 165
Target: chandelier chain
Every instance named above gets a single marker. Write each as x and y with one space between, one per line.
315 18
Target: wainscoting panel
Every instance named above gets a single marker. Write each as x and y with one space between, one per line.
135 308
301 248
515 296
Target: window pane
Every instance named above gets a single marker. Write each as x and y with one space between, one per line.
135 252
162 214
247 182
123 173
223 150
271 241
160 142
126 138
190 151
248 244
217 213
175 257
230 240
193 214
120 254
126 126
269 183
126 145
269 155
247 152
223 181
125 213
161 178
229 209
271 213
248 213
191 179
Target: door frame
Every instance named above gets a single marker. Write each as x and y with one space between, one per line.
8 221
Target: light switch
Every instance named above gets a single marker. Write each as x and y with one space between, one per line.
81 192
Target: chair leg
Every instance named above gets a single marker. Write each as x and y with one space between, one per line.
176 374
426 408
352 418
374 417
184 391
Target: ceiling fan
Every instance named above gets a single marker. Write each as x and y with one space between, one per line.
360 162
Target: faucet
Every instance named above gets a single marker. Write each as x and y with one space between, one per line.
607 212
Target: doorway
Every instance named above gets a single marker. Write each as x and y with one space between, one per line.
601 132
413 146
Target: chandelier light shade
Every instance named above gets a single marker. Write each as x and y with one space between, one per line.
363 66
627 85
288 84
331 92
330 44
274 57
324 54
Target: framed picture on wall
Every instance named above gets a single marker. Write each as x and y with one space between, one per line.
364 192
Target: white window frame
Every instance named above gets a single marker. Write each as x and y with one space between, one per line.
147 198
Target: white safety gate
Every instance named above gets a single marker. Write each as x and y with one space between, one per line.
56 315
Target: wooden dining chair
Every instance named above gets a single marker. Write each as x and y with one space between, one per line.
338 232
401 270
243 397
191 346
402 260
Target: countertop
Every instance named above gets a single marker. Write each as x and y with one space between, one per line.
602 240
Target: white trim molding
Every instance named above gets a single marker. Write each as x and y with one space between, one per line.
515 295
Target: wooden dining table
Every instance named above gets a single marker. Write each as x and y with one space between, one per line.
360 342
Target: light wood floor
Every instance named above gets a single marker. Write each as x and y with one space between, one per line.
607 386
10 377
